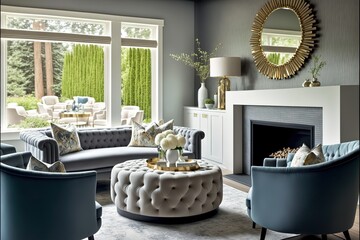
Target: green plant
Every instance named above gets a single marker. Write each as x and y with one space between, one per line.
136 78
29 102
209 101
199 60
34 122
317 66
83 72
274 58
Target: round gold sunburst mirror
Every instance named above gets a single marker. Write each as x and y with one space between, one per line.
283 36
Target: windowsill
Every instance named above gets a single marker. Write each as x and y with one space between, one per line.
13 133
10 134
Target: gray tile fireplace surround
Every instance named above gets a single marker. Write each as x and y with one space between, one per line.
339 114
279 114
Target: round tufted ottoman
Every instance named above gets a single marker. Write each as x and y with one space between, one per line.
152 195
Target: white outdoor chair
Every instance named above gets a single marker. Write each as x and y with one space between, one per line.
129 113
18 113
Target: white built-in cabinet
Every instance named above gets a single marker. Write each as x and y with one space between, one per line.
210 121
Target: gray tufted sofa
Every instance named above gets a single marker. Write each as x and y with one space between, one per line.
102 148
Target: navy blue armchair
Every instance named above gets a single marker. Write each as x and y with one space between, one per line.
6 149
39 205
318 199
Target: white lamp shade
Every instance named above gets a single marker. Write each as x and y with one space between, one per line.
225 66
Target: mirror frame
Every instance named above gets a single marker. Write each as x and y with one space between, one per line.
307 22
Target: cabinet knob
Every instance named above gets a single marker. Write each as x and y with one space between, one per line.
204 115
195 114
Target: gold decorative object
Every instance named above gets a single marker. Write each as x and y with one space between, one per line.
153 163
224 85
307 21
224 67
315 71
306 83
314 83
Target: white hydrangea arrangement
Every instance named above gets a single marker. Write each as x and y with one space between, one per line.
168 140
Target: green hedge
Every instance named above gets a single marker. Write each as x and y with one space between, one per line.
83 72
29 102
136 79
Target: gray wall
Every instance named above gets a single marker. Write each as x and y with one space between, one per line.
178 16
230 21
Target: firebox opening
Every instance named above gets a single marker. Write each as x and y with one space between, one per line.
269 137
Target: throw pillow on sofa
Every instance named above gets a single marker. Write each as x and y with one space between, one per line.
66 138
144 136
304 156
37 165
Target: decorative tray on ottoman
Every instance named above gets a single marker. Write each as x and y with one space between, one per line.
186 165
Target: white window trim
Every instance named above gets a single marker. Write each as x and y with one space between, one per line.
112 61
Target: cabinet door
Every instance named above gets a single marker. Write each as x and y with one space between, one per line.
216 137
205 143
191 119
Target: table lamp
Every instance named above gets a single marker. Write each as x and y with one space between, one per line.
224 67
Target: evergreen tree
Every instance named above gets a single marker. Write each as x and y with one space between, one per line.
136 78
20 60
83 72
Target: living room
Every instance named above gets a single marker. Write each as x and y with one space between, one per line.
230 22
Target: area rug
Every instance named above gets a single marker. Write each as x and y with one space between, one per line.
231 222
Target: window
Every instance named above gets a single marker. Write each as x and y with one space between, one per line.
66 54
280 45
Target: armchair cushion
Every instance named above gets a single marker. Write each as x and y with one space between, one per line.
145 136
67 138
305 156
37 165
82 100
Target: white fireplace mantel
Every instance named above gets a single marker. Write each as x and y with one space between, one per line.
340 110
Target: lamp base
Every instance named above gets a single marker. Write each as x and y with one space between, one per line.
224 85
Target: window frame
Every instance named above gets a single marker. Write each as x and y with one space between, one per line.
112 58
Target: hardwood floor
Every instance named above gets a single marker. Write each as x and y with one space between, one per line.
354 231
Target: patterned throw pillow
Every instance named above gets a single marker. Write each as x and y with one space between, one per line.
37 165
66 138
304 156
82 100
144 136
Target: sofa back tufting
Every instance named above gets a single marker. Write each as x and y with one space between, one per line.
44 147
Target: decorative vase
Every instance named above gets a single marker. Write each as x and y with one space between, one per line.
215 100
315 83
202 95
172 156
306 83
209 106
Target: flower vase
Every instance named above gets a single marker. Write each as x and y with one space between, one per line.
306 83
202 95
172 156
215 100
315 83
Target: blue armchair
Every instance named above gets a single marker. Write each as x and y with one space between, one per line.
41 205
6 149
315 199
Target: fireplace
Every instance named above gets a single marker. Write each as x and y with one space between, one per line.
333 110
269 137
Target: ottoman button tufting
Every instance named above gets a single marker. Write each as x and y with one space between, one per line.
157 203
